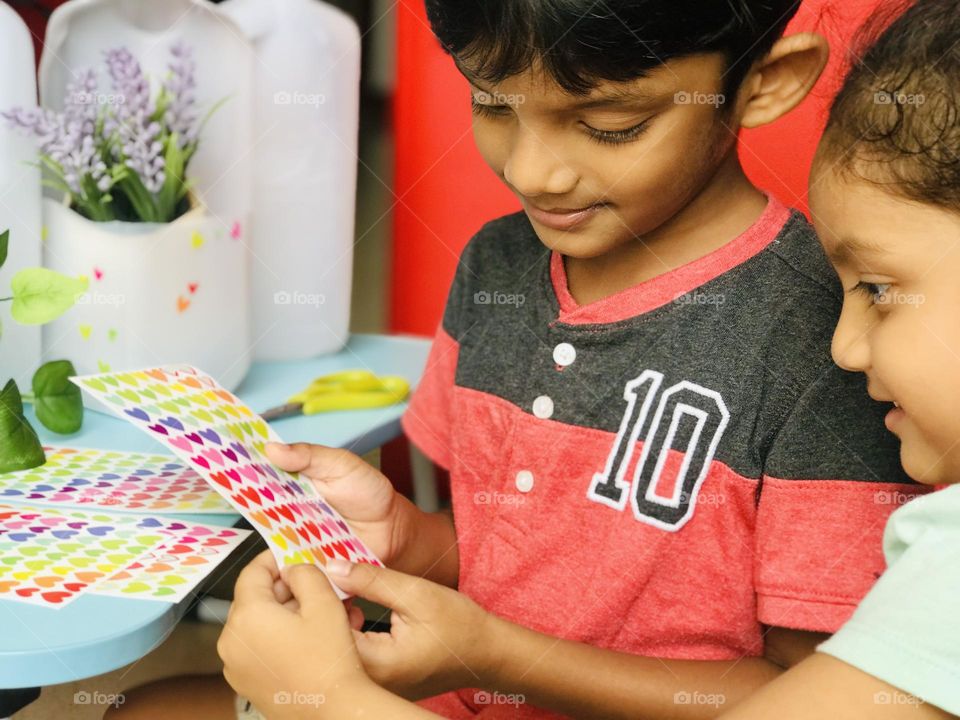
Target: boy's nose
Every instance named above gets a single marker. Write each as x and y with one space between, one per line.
851 347
534 169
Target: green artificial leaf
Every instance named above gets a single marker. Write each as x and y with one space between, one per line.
56 400
4 242
41 295
20 448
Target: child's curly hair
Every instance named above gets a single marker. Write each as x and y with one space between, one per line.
896 120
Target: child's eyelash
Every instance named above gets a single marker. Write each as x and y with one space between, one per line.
608 137
872 290
618 137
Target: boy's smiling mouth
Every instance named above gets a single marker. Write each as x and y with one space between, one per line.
561 218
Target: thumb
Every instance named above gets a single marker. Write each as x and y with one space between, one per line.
311 589
292 458
392 589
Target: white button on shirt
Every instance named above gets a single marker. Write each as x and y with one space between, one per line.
564 354
543 407
524 481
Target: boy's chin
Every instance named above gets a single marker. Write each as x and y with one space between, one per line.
580 245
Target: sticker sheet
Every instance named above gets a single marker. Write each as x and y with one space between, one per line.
173 570
51 556
221 438
112 479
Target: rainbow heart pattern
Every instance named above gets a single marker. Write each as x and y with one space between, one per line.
171 571
115 480
222 439
51 557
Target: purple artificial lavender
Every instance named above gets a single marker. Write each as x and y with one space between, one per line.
180 114
132 120
68 138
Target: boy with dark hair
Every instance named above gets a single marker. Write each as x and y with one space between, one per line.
662 485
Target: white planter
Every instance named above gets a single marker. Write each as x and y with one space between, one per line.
158 294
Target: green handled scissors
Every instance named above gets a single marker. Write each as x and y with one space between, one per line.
347 390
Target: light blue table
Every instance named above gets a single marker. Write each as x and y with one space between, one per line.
41 646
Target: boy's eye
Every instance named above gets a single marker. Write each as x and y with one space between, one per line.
617 137
485 110
877 292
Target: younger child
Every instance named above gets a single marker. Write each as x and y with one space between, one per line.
885 194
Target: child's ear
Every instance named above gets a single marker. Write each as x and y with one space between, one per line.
781 80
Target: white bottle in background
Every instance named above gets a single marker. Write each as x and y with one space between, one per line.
306 120
20 193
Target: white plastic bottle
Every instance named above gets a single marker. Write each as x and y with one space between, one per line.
20 193
306 119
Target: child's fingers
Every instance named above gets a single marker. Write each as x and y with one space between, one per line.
311 589
356 617
257 579
292 458
317 462
281 592
389 588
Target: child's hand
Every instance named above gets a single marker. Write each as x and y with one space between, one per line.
439 640
358 491
287 644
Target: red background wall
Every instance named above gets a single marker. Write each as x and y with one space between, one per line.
445 192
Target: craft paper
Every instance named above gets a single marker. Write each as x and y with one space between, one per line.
115 480
52 556
50 559
223 440
173 570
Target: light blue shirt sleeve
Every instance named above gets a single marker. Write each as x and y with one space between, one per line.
906 632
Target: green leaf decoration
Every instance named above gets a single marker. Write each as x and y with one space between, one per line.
20 448
4 242
56 400
41 295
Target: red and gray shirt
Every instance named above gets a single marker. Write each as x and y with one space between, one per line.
663 471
